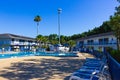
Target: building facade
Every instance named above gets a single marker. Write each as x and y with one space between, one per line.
12 42
97 42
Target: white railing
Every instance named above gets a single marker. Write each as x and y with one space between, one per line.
22 43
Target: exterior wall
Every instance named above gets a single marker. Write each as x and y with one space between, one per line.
97 44
4 41
5 44
22 45
14 44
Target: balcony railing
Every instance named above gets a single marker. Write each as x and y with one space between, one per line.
22 43
100 44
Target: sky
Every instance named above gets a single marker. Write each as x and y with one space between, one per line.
17 16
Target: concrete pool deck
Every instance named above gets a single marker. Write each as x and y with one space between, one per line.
40 67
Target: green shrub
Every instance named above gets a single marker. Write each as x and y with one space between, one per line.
115 54
109 49
48 49
44 46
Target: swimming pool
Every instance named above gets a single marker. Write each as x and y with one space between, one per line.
13 55
56 54
23 54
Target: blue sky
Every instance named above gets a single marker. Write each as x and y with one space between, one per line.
16 16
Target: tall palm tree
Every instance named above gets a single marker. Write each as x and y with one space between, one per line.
37 19
39 39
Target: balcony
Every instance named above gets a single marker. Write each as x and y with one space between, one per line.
14 43
22 43
102 44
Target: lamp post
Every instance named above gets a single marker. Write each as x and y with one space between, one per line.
59 11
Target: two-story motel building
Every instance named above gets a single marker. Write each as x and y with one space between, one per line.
12 42
97 42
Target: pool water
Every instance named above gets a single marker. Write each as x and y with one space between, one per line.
23 54
13 55
56 54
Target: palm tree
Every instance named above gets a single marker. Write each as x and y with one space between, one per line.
37 19
39 39
71 43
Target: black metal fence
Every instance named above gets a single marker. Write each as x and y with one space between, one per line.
114 67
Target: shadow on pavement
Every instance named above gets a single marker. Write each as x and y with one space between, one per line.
41 69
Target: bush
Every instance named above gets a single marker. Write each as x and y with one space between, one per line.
109 49
116 55
47 49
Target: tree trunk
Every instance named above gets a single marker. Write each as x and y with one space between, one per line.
37 27
40 44
118 44
118 48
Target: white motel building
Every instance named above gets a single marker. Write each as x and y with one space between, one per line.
12 42
97 42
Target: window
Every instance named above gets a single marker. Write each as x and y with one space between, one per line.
106 40
12 39
89 42
100 41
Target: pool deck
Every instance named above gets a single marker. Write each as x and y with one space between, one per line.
40 67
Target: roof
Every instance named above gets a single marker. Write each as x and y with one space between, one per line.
97 35
10 36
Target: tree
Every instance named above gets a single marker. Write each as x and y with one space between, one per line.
118 1
37 19
39 39
71 43
45 41
62 39
53 38
117 10
115 23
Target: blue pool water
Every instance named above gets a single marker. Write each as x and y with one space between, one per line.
22 54
56 54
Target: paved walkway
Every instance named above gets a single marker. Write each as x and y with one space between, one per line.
39 68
